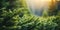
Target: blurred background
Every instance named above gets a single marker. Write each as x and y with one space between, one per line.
29 14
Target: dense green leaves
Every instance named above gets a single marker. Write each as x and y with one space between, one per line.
14 15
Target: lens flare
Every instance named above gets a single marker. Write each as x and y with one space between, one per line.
38 6
38 3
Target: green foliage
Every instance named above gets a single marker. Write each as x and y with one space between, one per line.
15 16
9 14
45 13
58 13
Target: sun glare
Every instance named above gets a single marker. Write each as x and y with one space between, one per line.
39 3
45 0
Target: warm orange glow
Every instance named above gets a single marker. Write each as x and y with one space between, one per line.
52 5
39 3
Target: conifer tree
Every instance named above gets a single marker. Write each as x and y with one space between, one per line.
52 8
9 14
